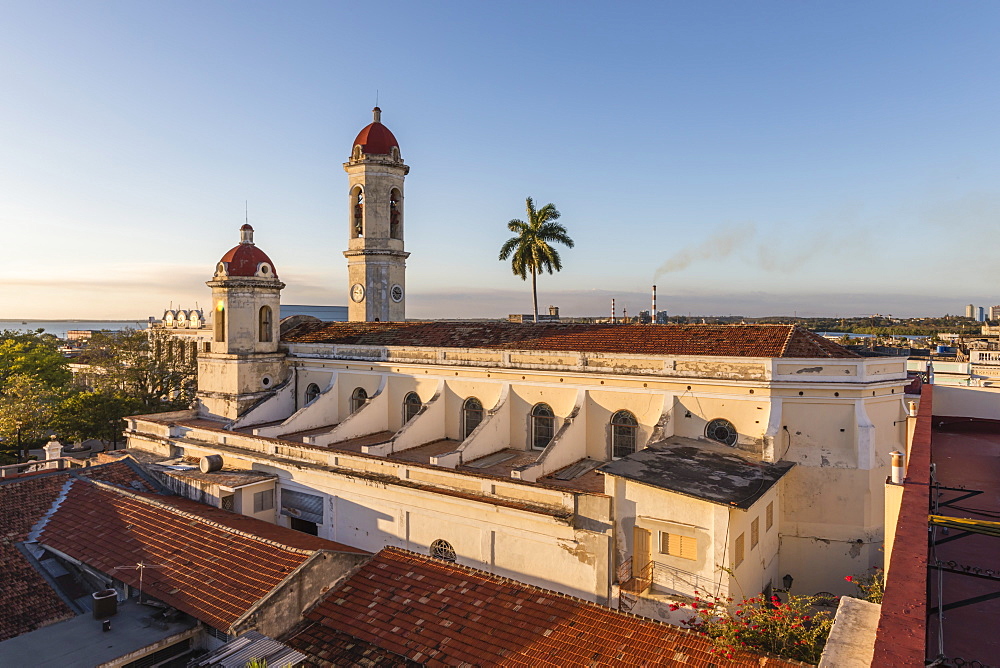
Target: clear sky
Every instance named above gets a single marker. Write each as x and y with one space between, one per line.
748 157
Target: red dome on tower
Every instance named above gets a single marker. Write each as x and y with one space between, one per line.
246 259
375 138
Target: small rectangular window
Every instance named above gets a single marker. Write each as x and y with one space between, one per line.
769 517
754 532
738 551
263 501
685 547
228 502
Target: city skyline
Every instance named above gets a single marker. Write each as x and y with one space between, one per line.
754 160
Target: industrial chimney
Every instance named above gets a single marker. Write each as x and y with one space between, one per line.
653 312
612 310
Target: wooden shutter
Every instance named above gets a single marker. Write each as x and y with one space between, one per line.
685 547
640 550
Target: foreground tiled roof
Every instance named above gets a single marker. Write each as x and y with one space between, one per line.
437 613
717 340
26 600
210 563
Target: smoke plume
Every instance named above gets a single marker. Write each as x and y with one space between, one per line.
719 245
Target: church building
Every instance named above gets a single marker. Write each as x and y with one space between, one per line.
629 465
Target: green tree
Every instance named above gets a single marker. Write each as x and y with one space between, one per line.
530 251
147 365
95 414
33 354
27 412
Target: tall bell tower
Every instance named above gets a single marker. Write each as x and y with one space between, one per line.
243 364
376 261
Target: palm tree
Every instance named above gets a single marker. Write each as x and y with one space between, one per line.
530 250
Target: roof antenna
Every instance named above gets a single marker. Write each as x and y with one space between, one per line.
376 97
246 211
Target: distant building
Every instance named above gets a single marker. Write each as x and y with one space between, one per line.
324 313
995 313
553 316
981 314
970 311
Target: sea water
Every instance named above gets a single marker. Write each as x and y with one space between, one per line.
60 327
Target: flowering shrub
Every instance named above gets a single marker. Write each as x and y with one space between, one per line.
870 586
759 624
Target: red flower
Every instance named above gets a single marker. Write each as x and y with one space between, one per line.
673 607
849 578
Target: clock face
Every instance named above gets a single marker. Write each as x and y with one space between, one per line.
396 293
358 292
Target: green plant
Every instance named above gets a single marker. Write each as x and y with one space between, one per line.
530 251
788 629
871 586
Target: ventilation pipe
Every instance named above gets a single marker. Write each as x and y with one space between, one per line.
911 408
898 466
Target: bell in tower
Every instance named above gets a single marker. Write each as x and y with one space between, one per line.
376 261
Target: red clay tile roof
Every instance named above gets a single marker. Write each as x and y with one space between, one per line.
437 613
26 600
375 138
242 260
716 340
210 563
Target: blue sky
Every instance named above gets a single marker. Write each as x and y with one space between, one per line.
750 158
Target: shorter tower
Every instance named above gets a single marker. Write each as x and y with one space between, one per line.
376 261
243 364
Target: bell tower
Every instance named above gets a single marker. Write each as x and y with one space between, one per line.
243 363
376 261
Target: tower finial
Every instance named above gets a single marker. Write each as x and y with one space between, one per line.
377 114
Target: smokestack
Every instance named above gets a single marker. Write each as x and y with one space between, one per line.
653 312
612 310
898 462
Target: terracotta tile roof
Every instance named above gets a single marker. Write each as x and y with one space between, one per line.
712 340
26 600
210 563
436 613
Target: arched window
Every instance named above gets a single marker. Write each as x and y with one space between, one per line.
220 323
358 399
411 405
472 415
722 431
442 549
543 426
624 428
357 213
395 215
264 325
312 391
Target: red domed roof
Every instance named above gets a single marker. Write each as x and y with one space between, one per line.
375 138
244 259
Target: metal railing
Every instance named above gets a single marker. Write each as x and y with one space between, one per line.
41 465
686 582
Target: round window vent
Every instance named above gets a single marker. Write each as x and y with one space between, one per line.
442 549
722 431
266 381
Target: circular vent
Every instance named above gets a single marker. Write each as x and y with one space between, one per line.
442 549
722 431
